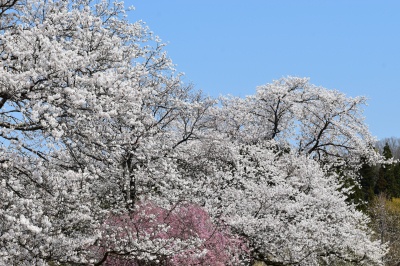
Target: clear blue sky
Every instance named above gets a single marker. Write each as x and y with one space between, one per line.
230 47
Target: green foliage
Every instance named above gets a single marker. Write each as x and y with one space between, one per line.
378 179
368 175
386 182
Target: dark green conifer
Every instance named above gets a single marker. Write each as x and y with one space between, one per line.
386 182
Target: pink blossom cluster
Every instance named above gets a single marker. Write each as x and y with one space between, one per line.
217 245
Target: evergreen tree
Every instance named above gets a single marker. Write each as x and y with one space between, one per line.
368 174
386 182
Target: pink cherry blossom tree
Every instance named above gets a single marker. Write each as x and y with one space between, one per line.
187 229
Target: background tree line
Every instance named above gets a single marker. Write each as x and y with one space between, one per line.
381 178
378 195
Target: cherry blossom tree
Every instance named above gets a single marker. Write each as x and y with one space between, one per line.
217 246
324 124
91 117
277 169
293 213
286 205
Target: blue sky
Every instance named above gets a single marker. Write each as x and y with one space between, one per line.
231 47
